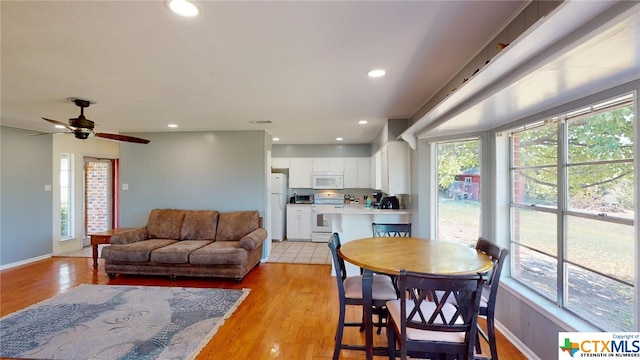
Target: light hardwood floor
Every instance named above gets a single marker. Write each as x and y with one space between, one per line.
290 313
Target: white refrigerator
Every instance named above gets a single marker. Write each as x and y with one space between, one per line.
279 187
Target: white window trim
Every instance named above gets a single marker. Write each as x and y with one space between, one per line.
495 220
70 210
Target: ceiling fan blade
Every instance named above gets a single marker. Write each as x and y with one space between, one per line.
56 122
123 138
47 133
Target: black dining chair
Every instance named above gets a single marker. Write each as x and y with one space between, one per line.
350 293
388 229
424 325
380 229
490 292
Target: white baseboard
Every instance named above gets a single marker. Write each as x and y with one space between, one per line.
516 342
23 262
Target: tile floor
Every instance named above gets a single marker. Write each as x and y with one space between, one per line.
298 252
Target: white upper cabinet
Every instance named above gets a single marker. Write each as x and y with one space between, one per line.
384 169
350 173
389 168
280 163
376 171
335 165
363 173
300 172
320 164
356 173
397 168
357 170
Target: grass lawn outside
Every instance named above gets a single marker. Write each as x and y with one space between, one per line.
598 245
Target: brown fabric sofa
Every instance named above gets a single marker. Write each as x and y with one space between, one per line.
203 243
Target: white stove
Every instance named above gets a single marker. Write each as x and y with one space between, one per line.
329 199
321 229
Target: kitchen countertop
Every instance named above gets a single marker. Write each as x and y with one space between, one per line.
360 209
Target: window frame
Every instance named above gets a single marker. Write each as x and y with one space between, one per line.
481 143
66 183
562 210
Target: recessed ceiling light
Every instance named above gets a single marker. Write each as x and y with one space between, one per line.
260 122
376 73
276 139
362 122
173 126
183 7
339 139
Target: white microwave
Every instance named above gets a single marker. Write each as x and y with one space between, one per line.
324 181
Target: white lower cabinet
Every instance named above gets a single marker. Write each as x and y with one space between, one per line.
299 222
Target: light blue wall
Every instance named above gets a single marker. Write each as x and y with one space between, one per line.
337 150
222 170
25 208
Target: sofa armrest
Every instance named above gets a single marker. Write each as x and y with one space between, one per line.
129 236
253 239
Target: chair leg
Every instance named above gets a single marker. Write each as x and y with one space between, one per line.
391 341
339 331
491 332
382 317
380 323
478 346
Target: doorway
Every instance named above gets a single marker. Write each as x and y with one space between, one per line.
98 196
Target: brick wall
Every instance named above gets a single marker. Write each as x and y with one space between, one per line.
97 196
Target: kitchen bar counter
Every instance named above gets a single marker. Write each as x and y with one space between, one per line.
354 222
359 209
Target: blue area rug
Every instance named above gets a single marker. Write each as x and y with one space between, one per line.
118 322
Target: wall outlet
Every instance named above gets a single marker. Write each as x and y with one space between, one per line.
125 187
47 188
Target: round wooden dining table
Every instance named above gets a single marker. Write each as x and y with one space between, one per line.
388 255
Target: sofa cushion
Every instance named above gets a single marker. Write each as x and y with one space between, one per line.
177 253
234 225
139 251
219 253
199 225
165 223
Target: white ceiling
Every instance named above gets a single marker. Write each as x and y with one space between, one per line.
300 64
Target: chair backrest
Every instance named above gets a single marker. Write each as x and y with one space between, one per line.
401 230
498 255
338 262
423 310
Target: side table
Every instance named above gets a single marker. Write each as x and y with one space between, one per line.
103 238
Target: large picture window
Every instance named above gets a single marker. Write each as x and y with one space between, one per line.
572 211
458 213
66 193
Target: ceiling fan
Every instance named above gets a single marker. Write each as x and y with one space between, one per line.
81 127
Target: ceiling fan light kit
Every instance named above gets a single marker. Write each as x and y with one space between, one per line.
81 127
